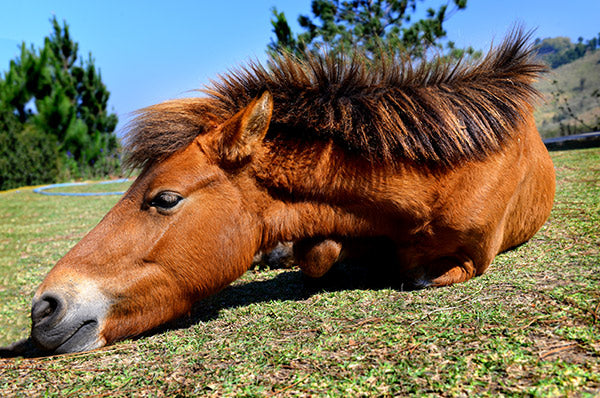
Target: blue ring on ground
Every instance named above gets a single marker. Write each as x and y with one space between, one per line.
42 190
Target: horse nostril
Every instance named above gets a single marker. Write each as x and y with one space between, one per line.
46 308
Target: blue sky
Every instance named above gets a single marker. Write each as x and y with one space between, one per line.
151 51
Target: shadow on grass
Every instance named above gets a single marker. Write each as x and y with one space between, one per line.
22 348
291 285
288 286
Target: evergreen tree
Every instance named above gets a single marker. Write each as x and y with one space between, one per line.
75 109
52 98
373 26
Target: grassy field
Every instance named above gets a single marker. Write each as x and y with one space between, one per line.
528 327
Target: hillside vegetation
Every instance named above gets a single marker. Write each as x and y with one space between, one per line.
571 102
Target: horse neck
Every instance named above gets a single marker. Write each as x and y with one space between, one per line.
318 171
314 190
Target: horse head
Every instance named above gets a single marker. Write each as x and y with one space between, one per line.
184 230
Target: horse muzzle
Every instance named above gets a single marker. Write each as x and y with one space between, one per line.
68 320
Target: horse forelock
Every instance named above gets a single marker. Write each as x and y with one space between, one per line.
435 112
160 130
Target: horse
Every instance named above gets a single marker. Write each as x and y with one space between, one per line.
436 166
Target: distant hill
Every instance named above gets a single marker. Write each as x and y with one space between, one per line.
558 51
571 98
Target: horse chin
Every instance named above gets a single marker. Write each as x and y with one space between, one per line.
85 338
67 338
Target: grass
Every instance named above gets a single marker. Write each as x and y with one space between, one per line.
528 327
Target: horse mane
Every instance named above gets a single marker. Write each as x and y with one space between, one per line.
435 112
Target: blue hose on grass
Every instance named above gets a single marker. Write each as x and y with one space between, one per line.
42 190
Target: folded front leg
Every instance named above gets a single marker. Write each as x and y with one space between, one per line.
315 256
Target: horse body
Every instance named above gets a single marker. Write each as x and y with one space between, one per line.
446 191
445 229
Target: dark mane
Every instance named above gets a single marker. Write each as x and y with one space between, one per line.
435 112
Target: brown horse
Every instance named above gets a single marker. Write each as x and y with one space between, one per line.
441 165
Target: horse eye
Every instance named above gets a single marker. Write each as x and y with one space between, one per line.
165 200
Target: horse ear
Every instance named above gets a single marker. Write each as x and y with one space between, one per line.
246 129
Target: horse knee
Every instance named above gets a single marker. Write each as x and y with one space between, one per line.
315 257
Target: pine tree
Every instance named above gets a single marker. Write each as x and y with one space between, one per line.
53 114
371 26
76 108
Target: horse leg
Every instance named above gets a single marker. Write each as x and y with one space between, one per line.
444 271
316 256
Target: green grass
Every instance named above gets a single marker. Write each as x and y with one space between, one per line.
35 232
528 327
